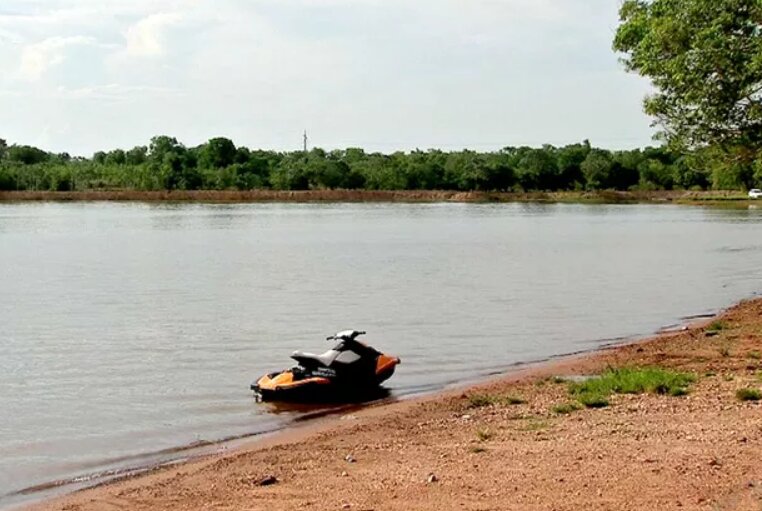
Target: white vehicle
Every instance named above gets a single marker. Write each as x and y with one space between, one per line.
755 193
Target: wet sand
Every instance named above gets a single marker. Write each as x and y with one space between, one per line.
727 198
699 451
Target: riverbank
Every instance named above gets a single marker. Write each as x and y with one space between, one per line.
521 442
731 199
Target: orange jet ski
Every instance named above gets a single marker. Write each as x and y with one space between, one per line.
351 370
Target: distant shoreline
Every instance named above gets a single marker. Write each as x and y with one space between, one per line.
727 198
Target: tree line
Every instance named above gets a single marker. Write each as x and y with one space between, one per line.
166 164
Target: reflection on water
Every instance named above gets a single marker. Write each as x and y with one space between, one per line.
130 329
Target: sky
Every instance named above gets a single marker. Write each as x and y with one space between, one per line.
86 75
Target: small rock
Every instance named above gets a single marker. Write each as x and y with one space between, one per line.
346 506
349 417
350 459
465 417
432 478
266 481
344 474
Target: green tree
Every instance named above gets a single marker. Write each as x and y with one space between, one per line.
136 156
705 59
597 169
26 155
218 153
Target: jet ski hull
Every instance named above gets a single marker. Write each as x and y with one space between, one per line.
294 386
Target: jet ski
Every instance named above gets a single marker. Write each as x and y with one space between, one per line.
351 370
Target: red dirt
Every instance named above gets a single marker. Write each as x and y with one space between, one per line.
700 451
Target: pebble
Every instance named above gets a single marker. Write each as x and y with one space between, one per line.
432 478
350 459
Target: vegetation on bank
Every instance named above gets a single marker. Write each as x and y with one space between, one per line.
704 58
166 164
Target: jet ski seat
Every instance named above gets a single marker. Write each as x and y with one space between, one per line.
326 359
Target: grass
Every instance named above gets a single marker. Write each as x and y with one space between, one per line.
717 326
565 408
748 394
725 352
477 449
484 434
593 400
756 355
593 393
482 400
535 425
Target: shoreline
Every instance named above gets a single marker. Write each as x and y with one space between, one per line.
724 198
430 432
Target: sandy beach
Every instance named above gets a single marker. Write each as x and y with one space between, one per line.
506 444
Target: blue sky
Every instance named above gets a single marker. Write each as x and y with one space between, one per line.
83 75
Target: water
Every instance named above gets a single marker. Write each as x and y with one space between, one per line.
129 329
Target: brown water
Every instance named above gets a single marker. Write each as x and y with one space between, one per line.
129 330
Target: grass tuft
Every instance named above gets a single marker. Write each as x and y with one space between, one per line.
593 393
591 400
481 400
478 449
717 326
535 425
756 355
484 434
748 394
565 408
634 381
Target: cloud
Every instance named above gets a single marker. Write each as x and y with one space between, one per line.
38 58
146 37
113 92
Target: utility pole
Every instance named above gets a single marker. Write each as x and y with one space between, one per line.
305 141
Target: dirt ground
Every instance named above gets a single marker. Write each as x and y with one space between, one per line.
698 451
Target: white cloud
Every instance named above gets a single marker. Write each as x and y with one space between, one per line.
146 37
38 58
386 74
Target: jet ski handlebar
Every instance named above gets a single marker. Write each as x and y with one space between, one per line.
345 335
